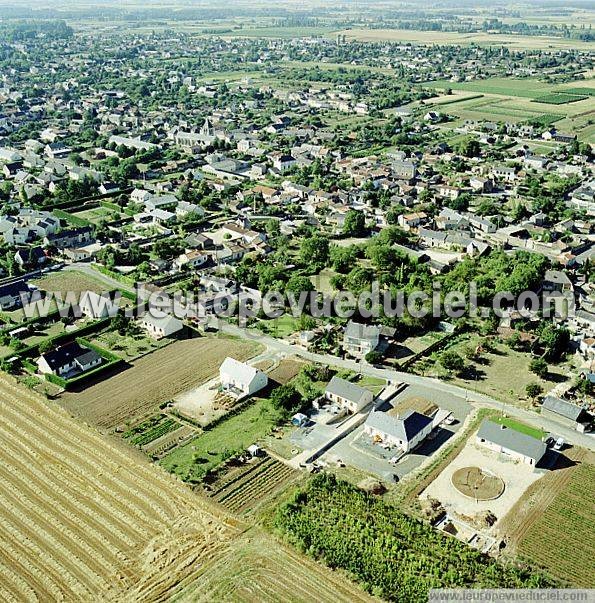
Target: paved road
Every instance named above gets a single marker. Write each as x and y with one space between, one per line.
475 398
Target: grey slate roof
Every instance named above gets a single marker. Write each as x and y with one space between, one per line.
512 440
361 331
345 389
562 407
404 428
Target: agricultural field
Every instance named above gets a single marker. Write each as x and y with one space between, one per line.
514 100
151 429
241 487
260 570
559 98
552 525
82 520
286 370
511 41
346 528
69 280
137 392
159 434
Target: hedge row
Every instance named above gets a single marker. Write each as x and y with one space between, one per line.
32 350
71 219
115 275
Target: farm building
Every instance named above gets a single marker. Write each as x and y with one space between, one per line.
159 327
68 360
573 415
347 395
241 379
513 443
404 432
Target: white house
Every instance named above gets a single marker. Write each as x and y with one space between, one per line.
404 432
94 305
241 379
517 445
190 259
69 359
359 339
347 395
159 327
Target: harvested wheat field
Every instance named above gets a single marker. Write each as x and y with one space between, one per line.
256 572
158 377
81 520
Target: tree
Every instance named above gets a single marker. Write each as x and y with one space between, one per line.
452 361
539 367
286 398
534 390
468 147
45 346
354 224
314 252
461 203
343 258
374 357
296 284
554 339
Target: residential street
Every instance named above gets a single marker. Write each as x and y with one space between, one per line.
276 346
474 398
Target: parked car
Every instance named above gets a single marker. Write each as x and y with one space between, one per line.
559 444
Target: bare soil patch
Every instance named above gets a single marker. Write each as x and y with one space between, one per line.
477 484
421 405
287 369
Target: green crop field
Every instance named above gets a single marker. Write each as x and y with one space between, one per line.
561 539
559 98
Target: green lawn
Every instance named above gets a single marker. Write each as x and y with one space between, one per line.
503 374
70 280
279 327
212 447
374 384
521 427
97 214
